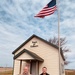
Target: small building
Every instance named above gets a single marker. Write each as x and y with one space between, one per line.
37 53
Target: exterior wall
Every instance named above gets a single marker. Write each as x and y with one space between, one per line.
62 67
16 67
47 52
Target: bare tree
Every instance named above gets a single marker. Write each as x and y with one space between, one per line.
62 46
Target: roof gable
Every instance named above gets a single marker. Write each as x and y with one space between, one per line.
41 40
29 40
35 56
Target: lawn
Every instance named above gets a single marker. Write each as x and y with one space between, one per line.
6 73
11 72
70 73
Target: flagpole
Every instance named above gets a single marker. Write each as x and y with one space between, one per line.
58 13
50 7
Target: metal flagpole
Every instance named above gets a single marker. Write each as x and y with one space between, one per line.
58 13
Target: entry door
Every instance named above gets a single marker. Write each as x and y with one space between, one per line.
34 68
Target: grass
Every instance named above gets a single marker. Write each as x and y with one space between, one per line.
70 73
11 73
6 73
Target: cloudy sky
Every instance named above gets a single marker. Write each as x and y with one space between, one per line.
17 23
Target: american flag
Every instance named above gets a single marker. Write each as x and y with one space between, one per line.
48 9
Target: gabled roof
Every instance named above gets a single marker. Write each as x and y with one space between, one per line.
35 56
41 40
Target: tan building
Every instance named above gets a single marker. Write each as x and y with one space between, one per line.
37 53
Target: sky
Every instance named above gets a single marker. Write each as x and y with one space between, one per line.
17 24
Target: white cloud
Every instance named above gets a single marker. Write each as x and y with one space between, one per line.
17 23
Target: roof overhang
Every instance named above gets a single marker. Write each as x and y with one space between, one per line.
29 56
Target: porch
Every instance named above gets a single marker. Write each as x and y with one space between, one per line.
30 59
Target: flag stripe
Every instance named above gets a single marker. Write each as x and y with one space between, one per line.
42 16
48 9
45 14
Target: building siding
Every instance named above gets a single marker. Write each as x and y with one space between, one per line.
45 51
16 67
62 62
24 56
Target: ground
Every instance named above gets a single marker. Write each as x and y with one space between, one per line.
6 71
9 71
69 72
